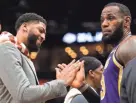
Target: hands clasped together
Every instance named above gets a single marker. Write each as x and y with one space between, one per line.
72 74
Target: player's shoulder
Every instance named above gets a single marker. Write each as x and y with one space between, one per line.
126 50
132 37
128 42
7 46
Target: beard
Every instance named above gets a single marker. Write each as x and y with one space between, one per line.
31 43
115 37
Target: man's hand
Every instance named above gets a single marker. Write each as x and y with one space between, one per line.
79 77
68 73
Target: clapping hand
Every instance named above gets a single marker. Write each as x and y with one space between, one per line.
75 71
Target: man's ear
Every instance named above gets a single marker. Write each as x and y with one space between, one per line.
24 27
91 73
127 21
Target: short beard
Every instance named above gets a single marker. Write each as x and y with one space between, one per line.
31 43
116 36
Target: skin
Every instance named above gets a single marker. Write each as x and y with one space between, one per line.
72 75
73 67
111 19
94 77
36 28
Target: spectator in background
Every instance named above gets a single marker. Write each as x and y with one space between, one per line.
93 72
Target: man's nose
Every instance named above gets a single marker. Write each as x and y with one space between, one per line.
42 38
105 23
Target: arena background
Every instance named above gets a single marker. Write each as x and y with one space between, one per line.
73 29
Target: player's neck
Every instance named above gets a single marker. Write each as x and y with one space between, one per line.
91 83
125 36
20 37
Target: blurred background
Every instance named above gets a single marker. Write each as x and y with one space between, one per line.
73 29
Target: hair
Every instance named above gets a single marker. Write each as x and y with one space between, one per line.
29 17
123 9
90 63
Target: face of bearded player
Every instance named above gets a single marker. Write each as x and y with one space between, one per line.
36 35
112 25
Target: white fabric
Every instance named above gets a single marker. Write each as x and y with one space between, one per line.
71 94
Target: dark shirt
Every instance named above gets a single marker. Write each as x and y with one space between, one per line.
91 96
128 84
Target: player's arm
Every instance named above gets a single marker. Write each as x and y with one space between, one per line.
17 83
127 51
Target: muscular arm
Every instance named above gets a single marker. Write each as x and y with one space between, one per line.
17 83
126 50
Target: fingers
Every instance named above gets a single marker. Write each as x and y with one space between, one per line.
64 65
58 69
72 65
82 67
69 78
73 61
58 73
61 66
80 77
65 75
68 73
82 71
75 66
